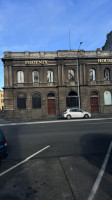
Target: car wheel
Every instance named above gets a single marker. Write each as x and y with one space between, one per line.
68 116
86 116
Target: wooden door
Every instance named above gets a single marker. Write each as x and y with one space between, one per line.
51 107
94 104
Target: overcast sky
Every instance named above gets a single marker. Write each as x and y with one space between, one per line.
43 25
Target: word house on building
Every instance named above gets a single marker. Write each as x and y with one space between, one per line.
44 84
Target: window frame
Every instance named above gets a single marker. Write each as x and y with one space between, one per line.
92 76
71 79
109 94
72 100
33 76
20 76
21 101
36 101
50 76
108 75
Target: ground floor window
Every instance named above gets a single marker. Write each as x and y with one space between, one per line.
21 101
72 100
36 101
107 98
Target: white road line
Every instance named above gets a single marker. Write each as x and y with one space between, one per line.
53 121
28 158
100 175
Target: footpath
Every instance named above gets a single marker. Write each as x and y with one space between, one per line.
22 120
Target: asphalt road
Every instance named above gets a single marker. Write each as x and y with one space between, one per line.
69 166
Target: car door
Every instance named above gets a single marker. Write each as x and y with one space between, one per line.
79 113
73 113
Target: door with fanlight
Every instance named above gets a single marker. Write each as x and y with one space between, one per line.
94 102
51 104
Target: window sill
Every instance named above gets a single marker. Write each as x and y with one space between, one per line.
20 84
106 81
50 84
108 105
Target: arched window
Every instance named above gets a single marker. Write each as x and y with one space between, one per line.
36 101
107 98
21 101
71 75
50 76
94 93
107 74
20 77
92 75
72 100
50 95
35 76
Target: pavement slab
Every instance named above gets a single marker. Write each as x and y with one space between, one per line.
41 179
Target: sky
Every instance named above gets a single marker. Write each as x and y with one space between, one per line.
44 25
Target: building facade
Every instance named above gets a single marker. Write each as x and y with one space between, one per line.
108 43
43 84
1 101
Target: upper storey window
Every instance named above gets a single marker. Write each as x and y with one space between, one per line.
71 75
92 75
107 74
20 77
35 76
50 76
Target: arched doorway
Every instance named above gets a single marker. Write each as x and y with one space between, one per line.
51 104
94 102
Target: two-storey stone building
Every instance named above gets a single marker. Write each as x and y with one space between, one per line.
43 84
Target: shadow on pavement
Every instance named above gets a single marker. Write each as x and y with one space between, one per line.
12 185
94 147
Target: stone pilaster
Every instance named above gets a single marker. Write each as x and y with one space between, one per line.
10 75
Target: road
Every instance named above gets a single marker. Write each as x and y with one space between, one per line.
67 169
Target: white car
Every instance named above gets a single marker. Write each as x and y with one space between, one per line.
75 113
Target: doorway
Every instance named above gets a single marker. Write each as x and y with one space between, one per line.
94 102
51 104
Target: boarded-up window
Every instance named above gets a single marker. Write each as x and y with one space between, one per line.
107 98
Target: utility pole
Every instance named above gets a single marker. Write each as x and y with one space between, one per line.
78 81
69 41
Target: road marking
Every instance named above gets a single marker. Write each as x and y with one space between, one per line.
53 121
100 175
28 158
